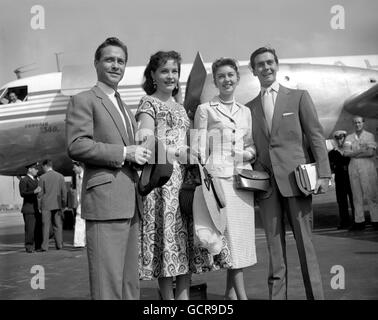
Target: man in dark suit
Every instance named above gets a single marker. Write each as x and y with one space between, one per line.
284 123
52 198
28 190
100 133
339 166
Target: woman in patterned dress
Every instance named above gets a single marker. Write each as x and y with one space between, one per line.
167 248
225 143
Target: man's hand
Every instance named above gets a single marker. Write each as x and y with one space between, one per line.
37 190
322 185
138 154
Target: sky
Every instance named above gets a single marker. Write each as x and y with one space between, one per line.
74 29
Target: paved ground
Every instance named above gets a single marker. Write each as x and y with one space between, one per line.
66 271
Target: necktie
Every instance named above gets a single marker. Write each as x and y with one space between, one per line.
129 127
268 107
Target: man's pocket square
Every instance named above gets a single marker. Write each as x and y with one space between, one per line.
287 114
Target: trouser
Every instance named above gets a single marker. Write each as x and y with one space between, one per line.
54 216
112 249
299 214
38 233
363 179
343 193
29 220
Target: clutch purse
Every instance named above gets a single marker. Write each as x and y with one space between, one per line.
252 180
306 176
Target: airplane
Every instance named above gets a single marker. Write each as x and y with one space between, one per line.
34 128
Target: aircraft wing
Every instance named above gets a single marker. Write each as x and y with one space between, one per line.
194 86
364 104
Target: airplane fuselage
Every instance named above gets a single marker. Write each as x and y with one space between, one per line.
35 129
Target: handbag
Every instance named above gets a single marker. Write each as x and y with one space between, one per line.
192 179
212 192
306 176
253 180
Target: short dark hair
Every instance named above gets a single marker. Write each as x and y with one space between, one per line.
47 162
362 118
156 60
112 41
224 62
260 51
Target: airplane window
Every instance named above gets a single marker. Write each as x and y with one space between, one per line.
17 94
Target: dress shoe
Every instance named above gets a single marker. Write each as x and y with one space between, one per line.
29 250
41 250
357 226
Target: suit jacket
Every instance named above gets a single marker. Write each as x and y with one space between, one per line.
295 130
27 186
53 195
96 136
222 137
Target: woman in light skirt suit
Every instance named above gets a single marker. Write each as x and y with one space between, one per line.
224 141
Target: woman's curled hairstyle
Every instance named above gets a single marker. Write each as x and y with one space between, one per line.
158 59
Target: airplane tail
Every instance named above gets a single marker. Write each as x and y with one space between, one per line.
194 86
364 104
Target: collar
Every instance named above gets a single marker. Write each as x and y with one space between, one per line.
356 135
215 102
109 91
275 87
31 176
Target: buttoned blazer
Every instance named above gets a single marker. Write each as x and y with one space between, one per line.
221 136
53 194
96 136
296 138
27 186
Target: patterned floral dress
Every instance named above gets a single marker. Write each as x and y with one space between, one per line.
166 236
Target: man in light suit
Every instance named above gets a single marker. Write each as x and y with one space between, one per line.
52 199
285 124
100 133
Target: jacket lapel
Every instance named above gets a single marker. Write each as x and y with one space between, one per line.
108 105
224 111
281 102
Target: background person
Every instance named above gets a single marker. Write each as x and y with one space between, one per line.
29 190
79 229
225 143
360 147
53 198
339 166
13 98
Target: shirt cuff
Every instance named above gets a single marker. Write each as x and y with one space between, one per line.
124 155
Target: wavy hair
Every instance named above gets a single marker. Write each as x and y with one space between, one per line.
156 60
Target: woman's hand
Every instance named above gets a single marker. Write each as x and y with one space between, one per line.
249 155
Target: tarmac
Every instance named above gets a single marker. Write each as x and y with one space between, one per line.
348 264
